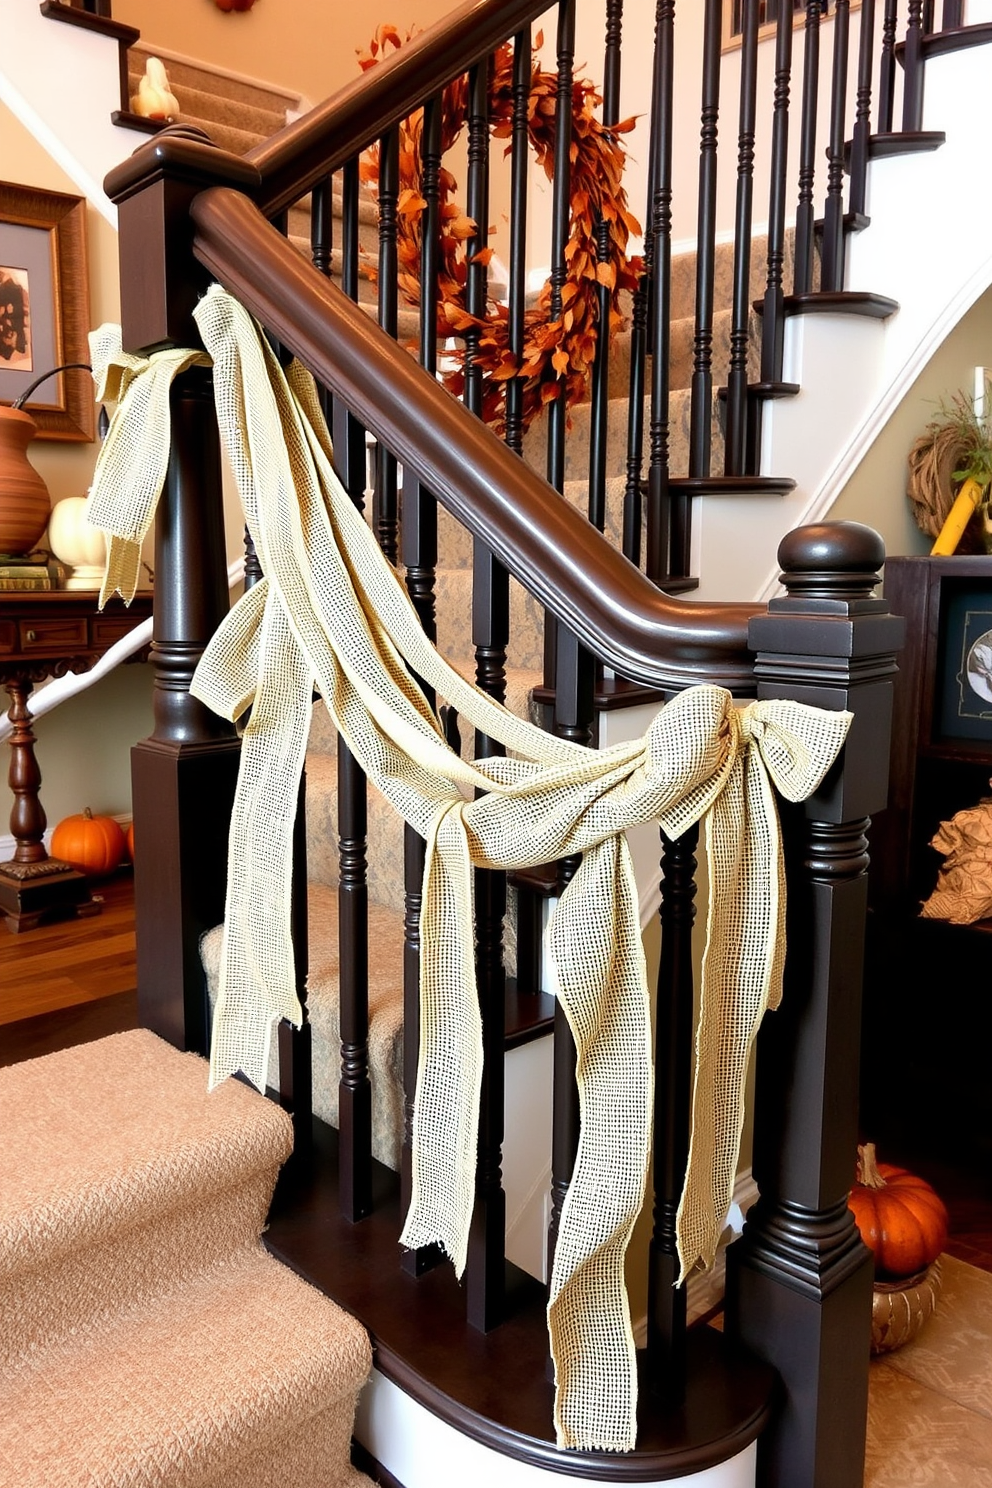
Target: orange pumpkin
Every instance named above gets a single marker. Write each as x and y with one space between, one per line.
900 1217
93 844
129 839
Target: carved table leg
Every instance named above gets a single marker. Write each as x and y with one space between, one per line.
33 886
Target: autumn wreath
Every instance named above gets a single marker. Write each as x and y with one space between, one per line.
558 354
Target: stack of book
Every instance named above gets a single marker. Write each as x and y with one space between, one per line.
20 573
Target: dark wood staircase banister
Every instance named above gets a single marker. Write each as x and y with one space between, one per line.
551 548
296 158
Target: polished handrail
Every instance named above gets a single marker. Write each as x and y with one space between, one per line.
551 548
298 156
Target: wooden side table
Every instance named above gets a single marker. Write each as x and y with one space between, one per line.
46 635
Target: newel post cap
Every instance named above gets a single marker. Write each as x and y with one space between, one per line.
831 561
161 280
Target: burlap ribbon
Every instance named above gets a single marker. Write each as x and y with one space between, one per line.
332 611
131 465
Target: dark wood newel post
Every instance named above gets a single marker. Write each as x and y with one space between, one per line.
799 1280
183 776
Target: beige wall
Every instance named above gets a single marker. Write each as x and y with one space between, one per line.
307 46
66 468
84 745
876 493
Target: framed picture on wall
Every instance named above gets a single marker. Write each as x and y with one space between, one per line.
963 693
44 308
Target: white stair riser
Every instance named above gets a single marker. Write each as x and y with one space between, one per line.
422 1451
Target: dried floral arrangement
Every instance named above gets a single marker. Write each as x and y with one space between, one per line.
951 460
558 353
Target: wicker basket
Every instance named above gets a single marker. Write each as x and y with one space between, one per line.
900 1308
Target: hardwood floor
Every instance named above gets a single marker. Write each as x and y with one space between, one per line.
74 981
69 982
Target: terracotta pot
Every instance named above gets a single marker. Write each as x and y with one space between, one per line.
24 499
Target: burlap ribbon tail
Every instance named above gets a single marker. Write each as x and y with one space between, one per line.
331 612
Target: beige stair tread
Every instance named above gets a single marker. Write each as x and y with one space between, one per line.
225 136
188 74
385 989
106 1133
203 103
186 1388
577 445
368 217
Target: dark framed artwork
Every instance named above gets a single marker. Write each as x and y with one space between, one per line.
963 697
44 308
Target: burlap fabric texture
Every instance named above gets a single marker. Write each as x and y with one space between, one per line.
963 893
332 612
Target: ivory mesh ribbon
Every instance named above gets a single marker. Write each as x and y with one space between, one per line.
130 468
331 610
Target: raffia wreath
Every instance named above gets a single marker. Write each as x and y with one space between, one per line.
558 354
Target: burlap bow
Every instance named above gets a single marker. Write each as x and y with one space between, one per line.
332 611
131 465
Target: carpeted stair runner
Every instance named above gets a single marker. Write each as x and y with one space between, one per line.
146 1337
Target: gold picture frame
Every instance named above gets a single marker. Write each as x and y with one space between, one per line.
733 15
44 308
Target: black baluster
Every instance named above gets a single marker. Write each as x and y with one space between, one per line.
419 547
702 374
566 666
832 265
735 443
321 201
574 711
773 316
354 1089
490 634
672 1106
419 506
805 215
660 556
564 1128
321 253
560 211
912 62
635 407
952 15
414 1262
384 496
887 67
862 115
253 568
517 293
477 206
350 460
600 388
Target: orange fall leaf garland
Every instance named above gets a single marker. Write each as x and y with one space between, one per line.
558 354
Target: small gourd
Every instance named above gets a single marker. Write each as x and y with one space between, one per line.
93 844
901 1218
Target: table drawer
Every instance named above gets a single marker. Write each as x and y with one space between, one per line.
106 629
53 635
8 637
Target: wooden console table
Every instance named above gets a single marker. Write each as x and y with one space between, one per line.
46 635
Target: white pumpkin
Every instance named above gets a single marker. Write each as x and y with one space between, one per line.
76 542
